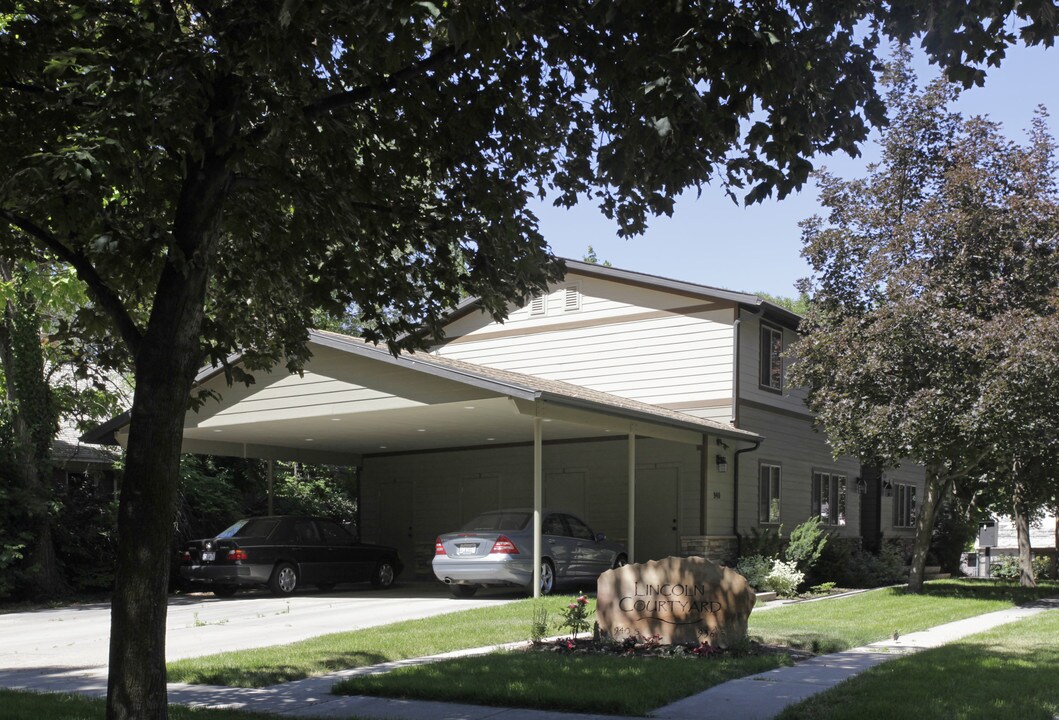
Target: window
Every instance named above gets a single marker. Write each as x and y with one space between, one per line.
771 358
571 299
578 529
538 304
904 505
769 497
829 498
333 533
553 525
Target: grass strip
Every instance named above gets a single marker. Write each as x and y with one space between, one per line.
573 683
842 623
23 705
339 651
1007 672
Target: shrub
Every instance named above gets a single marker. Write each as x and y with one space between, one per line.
849 565
806 544
770 574
755 568
767 543
784 578
1006 567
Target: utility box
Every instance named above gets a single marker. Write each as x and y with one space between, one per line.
987 534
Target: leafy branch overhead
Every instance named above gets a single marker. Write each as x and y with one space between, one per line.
364 155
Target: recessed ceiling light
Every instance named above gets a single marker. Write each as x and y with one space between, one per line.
308 439
547 419
335 419
490 439
421 430
382 447
218 431
468 407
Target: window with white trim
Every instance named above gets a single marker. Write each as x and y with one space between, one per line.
769 493
904 505
538 304
571 298
771 370
829 497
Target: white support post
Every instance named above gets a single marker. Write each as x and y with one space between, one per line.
538 501
631 544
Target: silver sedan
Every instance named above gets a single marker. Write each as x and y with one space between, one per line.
496 549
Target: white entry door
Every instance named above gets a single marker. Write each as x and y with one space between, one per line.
656 513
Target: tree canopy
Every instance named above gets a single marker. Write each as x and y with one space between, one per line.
218 172
931 335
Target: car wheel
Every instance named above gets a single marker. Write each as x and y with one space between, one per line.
620 561
284 579
326 587
383 575
547 577
225 590
463 591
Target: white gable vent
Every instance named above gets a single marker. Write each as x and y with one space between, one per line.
571 298
538 305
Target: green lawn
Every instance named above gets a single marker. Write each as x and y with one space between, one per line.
370 646
633 687
19 705
580 683
1010 672
842 623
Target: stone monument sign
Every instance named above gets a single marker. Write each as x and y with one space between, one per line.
682 600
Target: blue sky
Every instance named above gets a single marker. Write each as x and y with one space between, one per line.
712 241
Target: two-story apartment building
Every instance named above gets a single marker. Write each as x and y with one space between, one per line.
656 409
701 351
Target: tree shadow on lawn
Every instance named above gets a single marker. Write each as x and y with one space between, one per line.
969 681
249 673
988 590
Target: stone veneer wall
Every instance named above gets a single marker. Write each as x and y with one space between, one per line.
717 548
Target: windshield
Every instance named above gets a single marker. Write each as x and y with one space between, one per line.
498 521
255 527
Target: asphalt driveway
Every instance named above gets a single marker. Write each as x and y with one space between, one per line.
79 636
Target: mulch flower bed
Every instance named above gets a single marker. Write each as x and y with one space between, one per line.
653 647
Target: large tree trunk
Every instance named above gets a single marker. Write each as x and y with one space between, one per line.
1022 531
934 489
165 369
168 357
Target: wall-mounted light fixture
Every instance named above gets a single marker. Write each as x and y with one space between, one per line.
722 443
887 488
722 463
862 487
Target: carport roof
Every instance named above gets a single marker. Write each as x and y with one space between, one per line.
531 393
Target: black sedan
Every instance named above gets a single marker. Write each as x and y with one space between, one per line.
285 553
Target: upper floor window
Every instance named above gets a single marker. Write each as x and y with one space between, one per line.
904 505
771 376
769 494
829 498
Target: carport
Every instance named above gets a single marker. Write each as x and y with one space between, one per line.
355 400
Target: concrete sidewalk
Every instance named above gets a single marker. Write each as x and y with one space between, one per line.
757 697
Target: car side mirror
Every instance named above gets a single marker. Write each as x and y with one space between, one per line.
600 537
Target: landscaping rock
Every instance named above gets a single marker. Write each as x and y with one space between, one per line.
678 600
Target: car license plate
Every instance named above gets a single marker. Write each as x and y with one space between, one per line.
209 557
466 549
